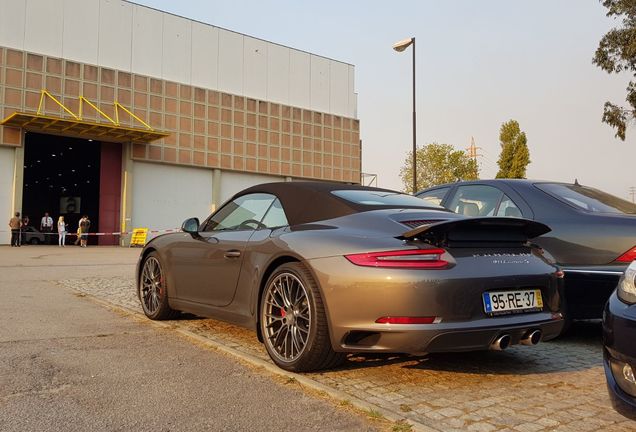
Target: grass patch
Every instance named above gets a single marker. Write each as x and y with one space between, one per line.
375 415
405 408
402 426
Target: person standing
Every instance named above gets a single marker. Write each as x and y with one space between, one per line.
61 232
46 226
84 226
25 223
15 223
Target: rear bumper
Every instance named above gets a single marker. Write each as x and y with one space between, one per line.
619 333
355 297
587 289
452 337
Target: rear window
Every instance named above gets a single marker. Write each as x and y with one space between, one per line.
382 198
588 199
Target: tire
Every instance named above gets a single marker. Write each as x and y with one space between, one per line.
34 241
293 321
567 327
152 290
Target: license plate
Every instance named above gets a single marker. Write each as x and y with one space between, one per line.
504 302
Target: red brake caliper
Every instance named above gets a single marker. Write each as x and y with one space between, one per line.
282 313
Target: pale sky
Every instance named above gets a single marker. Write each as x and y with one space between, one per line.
479 64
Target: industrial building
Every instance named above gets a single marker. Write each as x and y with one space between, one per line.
140 118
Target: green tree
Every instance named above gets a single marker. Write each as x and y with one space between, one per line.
437 164
515 156
616 53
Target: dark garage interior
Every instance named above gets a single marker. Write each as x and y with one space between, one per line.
72 177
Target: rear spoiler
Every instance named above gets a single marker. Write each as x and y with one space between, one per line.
482 229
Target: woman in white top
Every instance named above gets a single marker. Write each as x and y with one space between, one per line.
61 231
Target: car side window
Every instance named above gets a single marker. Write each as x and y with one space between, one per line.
275 216
435 196
508 208
483 200
243 213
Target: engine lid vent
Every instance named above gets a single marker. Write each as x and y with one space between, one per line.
419 222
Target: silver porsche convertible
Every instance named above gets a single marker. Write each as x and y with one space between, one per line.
320 270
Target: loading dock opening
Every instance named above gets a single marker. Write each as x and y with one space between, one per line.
71 177
73 166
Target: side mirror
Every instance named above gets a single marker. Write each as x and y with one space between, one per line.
190 226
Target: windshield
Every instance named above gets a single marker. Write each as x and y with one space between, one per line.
383 198
588 199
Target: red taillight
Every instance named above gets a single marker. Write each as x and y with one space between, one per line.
410 258
628 256
406 320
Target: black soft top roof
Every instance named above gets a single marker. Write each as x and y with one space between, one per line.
306 202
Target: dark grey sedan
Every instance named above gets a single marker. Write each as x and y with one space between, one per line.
323 269
593 235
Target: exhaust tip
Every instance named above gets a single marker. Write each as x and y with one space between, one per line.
501 343
532 337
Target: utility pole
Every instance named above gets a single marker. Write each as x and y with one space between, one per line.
472 150
632 192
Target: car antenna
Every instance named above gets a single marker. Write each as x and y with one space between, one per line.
576 182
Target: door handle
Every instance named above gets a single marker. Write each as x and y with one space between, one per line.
232 254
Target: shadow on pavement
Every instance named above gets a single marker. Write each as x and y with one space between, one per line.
579 349
183 316
584 332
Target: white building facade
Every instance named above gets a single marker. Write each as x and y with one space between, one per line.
180 114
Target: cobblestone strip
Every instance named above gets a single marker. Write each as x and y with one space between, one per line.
554 386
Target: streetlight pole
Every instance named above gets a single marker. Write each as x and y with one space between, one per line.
399 47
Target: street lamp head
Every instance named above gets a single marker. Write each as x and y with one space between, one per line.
403 44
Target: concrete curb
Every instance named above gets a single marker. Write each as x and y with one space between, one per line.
270 367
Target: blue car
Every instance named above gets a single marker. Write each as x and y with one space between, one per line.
619 344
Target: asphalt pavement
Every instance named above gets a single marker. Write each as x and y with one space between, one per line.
67 363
